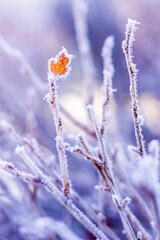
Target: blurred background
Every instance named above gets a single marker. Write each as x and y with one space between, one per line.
39 29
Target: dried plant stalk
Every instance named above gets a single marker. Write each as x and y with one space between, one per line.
127 49
59 67
109 178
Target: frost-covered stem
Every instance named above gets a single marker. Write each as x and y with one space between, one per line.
127 49
108 72
109 175
80 20
53 101
93 159
83 142
154 205
51 188
102 147
129 189
11 168
18 56
56 179
107 230
137 225
128 229
139 201
107 55
154 151
107 96
25 67
88 150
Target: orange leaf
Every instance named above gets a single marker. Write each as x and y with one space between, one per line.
60 65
